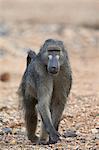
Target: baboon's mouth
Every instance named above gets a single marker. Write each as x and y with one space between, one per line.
53 72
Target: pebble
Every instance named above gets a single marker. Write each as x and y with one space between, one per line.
94 131
1 137
97 136
97 127
70 133
13 142
1 120
7 130
1 132
4 77
0 124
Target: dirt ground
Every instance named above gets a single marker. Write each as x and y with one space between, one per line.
81 114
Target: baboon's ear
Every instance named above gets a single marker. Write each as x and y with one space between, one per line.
31 55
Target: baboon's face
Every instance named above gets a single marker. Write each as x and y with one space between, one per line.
53 57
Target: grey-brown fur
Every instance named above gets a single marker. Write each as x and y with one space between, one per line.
45 93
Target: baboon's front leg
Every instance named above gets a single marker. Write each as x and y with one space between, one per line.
44 111
44 97
57 108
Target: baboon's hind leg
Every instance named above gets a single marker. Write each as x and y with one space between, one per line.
31 119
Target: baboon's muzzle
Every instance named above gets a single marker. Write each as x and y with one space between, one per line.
53 70
53 66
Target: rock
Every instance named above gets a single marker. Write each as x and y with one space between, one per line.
13 142
97 143
0 124
1 132
3 107
94 131
97 127
1 137
1 119
70 133
7 130
4 77
97 136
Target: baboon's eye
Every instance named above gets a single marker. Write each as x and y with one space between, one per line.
57 56
50 57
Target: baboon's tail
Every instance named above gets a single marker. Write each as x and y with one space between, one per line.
21 90
31 55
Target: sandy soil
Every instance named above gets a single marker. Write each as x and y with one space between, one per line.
82 110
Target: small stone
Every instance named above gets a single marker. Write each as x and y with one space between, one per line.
13 142
93 137
4 77
1 137
77 147
1 132
94 131
0 124
70 133
62 122
97 136
7 130
1 120
97 142
97 127
70 115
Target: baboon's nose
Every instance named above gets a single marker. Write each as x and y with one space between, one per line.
53 70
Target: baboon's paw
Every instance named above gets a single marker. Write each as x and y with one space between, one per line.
34 139
54 138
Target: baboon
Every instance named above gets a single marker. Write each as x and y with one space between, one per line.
44 88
